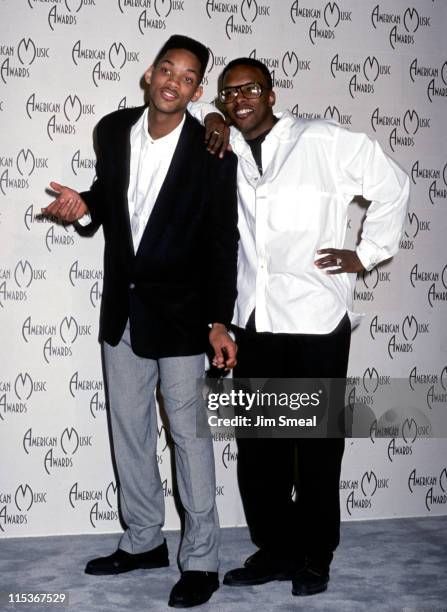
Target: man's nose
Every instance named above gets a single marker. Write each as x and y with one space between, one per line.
174 80
240 100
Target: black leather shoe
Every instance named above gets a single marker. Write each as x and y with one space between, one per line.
193 589
121 561
259 568
309 582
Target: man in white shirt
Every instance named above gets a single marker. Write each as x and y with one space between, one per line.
294 307
168 211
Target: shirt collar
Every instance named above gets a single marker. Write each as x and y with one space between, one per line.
279 131
167 140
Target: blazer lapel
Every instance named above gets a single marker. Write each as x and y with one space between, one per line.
122 144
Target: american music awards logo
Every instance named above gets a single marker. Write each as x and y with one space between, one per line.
108 63
59 451
20 58
16 170
283 68
401 335
404 27
155 13
362 390
16 506
99 504
59 338
15 283
64 115
63 12
58 235
403 129
323 21
362 492
368 282
401 447
240 17
15 394
364 73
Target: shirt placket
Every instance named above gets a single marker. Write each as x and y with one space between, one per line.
139 201
261 213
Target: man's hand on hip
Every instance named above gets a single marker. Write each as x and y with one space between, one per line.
68 205
336 261
224 347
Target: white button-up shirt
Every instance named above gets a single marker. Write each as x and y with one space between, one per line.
149 163
311 172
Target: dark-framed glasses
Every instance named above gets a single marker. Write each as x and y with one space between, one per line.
248 90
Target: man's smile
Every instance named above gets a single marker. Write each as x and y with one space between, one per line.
168 94
243 111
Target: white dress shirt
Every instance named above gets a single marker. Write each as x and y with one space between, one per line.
142 167
149 163
311 172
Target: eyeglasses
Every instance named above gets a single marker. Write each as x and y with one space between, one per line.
248 90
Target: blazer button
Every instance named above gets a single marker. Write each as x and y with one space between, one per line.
132 286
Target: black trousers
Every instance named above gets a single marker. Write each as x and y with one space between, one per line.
307 529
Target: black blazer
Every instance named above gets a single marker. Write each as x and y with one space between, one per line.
183 275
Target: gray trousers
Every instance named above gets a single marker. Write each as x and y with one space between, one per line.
131 382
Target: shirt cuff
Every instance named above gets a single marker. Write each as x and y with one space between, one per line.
85 220
368 255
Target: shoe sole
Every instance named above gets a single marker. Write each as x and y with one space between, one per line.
256 581
124 571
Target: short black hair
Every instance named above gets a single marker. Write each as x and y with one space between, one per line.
178 41
250 61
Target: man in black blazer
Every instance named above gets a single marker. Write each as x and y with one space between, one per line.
169 215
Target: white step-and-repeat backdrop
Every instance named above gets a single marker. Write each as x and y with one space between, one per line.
378 67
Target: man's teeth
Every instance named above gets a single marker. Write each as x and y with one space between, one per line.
242 112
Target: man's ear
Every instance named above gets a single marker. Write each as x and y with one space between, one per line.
148 74
197 94
271 98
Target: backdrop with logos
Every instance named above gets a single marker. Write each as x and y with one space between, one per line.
375 67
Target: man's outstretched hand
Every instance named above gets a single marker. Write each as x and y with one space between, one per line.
224 347
68 205
338 260
217 134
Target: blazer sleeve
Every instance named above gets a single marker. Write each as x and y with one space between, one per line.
222 240
95 196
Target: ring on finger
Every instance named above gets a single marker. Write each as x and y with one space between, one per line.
338 261
216 132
